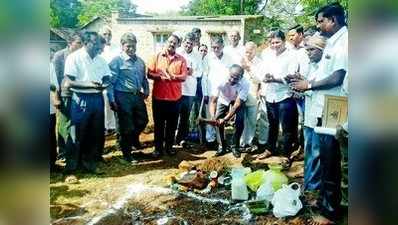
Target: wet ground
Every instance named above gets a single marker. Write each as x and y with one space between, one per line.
141 193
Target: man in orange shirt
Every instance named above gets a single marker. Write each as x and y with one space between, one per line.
168 69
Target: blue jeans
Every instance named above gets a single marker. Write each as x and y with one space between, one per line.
312 163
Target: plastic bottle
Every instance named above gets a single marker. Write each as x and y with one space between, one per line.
238 186
275 176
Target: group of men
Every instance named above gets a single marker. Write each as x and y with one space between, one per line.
283 87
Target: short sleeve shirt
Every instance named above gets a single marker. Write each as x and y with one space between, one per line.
279 66
86 69
227 93
334 58
218 70
168 90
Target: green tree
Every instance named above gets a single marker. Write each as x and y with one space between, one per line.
104 8
311 6
64 13
54 19
221 7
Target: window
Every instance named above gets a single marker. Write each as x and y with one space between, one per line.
159 39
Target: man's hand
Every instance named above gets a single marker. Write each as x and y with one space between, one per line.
113 106
299 85
220 122
164 75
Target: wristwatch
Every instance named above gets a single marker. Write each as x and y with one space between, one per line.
309 86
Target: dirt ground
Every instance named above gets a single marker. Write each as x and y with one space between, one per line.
95 194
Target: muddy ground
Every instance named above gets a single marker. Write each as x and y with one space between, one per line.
97 195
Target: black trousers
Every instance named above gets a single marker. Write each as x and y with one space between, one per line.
165 118
330 193
131 119
284 112
221 112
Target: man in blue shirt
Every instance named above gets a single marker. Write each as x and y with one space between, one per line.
126 97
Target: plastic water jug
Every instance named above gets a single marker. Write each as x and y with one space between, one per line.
275 176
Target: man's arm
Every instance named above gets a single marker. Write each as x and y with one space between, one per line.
152 72
145 84
59 64
232 111
212 106
70 82
184 72
334 80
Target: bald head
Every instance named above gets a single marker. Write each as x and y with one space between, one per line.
234 38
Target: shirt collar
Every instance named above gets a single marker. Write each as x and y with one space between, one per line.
126 57
171 57
333 39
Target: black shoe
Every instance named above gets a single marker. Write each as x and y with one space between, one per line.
211 145
236 152
221 151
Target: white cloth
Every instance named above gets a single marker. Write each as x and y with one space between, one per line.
279 66
236 53
218 71
204 69
110 52
85 69
256 72
194 62
227 93
302 59
53 81
334 58
311 106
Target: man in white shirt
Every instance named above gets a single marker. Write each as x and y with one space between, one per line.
189 87
281 107
218 66
110 52
333 68
235 50
295 37
86 74
233 91
253 67
312 171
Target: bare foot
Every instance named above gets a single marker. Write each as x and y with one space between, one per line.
264 155
320 220
71 179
